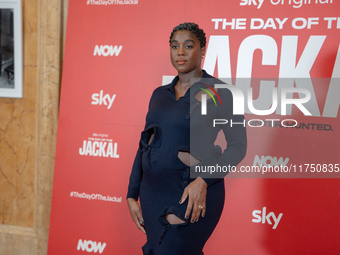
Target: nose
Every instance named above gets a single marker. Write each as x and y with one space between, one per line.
180 51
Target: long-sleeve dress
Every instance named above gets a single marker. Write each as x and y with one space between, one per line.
158 176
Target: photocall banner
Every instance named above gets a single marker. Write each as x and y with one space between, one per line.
282 57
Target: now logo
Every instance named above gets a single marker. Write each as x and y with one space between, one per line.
270 161
91 246
107 50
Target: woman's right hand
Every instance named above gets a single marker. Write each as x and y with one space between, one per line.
136 213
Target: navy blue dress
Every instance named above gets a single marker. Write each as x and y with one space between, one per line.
159 177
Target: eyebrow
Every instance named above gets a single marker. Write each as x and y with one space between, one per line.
189 40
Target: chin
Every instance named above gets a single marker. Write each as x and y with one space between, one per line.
184 69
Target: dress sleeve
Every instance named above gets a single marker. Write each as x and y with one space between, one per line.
135 176
235 135
137 170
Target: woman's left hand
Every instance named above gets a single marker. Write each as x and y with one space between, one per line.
197 192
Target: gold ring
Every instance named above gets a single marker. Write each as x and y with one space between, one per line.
200 206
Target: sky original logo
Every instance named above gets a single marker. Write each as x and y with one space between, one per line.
299 3
107 50
91 246
263 217
101 99
292 3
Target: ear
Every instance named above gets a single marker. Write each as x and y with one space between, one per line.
203 51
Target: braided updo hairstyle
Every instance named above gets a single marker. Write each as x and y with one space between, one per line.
193 28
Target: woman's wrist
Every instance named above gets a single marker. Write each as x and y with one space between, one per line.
203 181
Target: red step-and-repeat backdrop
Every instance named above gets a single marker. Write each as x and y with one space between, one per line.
117 53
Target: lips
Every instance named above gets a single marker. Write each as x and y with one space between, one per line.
181 62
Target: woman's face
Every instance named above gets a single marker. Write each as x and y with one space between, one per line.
185 51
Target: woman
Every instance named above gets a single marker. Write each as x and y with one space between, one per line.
179 213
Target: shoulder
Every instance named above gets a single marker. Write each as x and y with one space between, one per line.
160 94
161 90
224 91
213 81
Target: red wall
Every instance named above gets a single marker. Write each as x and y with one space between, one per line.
104 101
